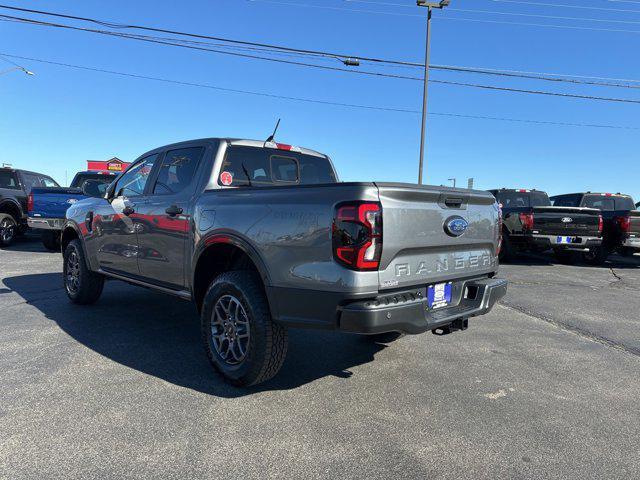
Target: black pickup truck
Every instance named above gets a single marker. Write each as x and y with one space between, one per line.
531 224
15 186
621 230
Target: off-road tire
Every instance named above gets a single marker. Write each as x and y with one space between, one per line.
267 346
89 284
51 240
6 236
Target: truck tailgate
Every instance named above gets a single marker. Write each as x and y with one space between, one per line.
566 221
416 248
53 202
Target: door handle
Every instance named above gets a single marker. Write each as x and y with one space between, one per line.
173 210
128 210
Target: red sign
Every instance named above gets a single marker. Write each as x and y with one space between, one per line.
114 165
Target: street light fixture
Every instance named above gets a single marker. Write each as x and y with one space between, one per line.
28 72
430 6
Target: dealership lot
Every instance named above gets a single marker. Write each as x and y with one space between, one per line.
546 385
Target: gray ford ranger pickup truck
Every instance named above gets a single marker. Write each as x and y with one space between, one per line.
261 236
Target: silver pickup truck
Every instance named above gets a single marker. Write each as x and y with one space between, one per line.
261 236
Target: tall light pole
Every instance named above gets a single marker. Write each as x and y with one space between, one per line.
430 6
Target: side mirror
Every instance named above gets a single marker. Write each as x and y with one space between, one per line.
94 188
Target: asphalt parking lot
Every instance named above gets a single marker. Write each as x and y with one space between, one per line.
546 386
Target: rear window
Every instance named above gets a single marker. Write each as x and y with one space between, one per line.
79 179
8 180
523 199
251 166
599 201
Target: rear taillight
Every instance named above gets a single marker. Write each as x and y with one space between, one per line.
527 221
499 230
30 202
357 235
624 223
600 224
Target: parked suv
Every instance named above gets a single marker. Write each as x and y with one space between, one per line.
15 186
621 220
262 237
530 223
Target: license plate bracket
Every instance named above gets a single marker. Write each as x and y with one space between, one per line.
564 240
439 295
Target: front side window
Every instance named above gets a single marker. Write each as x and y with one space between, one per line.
284 169
133 181
177 171
624 203
8 180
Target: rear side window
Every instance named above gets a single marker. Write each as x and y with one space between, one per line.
8 180
253 166
600 202
177 170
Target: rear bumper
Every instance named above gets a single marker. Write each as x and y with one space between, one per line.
407 312
45 223
579 242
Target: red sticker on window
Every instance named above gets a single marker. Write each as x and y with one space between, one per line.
226 178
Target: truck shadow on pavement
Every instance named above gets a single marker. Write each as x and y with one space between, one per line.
159 335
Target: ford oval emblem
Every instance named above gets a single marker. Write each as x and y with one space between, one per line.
455 226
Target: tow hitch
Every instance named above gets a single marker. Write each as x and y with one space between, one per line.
458 324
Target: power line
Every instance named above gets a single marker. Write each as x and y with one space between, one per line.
312 100
279 49
519 2
473 85
455 19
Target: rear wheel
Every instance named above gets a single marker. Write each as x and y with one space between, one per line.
242 341
8 229
81 284
51 240
596 255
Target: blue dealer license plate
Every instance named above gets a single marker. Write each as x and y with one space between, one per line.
439 295
564 240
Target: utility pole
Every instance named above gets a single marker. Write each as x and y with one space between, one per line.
430 6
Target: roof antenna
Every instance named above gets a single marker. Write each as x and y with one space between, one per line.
272 136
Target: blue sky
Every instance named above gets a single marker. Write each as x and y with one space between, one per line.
56 120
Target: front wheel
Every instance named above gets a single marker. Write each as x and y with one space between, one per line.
8 229
242 341
81 284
